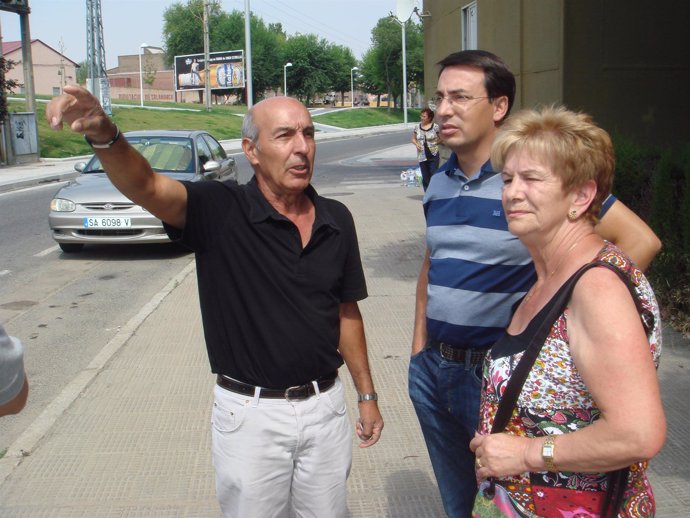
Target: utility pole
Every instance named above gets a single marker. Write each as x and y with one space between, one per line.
29 93
248 46
31 150
5 144
97 79
404 11
207 64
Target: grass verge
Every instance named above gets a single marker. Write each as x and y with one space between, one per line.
222 122
365 117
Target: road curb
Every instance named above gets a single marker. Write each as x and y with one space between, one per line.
35 182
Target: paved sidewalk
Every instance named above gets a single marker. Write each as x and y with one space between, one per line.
130 436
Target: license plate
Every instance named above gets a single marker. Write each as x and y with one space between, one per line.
104 222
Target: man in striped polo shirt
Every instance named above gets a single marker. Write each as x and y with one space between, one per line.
474 269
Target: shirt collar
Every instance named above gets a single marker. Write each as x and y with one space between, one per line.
451 168
261 210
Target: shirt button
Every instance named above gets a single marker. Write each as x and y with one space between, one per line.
466 187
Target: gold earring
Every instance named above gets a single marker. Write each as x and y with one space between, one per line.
572 215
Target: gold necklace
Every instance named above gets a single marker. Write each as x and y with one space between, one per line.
553 272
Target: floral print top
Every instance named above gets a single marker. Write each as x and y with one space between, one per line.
430 137
554 400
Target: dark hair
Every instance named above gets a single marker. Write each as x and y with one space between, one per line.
498 79
429 112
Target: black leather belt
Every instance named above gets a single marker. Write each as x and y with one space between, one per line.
458 354
297 392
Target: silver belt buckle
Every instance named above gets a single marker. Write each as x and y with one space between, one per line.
447 352
287 392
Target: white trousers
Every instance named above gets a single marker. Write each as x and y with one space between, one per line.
276 458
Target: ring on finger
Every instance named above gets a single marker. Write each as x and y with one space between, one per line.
479 463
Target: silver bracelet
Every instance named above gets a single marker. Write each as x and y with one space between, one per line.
367 397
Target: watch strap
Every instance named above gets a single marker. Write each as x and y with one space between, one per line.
547 451
105 145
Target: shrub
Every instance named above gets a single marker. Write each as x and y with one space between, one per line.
656 185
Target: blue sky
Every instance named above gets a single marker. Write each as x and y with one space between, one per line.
129 23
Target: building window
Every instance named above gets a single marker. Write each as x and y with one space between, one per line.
469 26
56 91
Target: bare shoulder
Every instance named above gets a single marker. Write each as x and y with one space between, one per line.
599 286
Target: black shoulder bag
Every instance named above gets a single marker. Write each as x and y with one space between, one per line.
616 479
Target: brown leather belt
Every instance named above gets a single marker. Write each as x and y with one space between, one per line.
298 392
458 354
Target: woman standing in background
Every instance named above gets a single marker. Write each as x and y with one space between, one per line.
426 139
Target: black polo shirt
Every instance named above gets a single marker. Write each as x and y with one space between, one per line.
270 308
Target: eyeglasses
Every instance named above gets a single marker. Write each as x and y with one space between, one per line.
454 100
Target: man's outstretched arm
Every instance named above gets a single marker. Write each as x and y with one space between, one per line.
164 197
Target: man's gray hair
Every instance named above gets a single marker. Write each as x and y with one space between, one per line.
249 128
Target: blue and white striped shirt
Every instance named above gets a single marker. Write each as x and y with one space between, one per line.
478 268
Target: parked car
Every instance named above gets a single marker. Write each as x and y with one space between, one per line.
89 209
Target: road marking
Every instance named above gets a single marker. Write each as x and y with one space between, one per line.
47 251
4 272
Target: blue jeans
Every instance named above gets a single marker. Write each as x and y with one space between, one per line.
445 396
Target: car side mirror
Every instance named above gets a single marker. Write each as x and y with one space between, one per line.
80 166
211 166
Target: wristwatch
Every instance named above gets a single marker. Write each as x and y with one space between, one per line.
367 397
105 145
547 450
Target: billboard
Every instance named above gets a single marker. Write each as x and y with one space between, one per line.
226 70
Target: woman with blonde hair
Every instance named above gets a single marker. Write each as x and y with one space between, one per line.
586 413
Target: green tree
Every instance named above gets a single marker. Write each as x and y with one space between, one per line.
382 64
371 80
148 70
309 73
6 85
338 64
268 42
183 30
183 34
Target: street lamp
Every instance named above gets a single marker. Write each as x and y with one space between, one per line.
402 17
141 73
285 77
352 84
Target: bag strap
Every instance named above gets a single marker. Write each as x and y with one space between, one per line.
556 306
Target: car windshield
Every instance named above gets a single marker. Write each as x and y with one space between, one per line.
172 154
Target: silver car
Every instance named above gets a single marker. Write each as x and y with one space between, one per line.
91 210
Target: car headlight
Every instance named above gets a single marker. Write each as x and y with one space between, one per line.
62 205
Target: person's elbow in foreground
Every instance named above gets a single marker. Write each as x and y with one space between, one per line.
14 385
128 170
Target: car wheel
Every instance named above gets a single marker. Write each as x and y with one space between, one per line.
71 248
